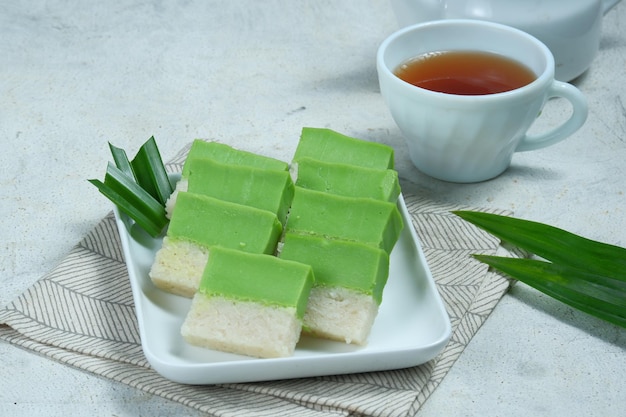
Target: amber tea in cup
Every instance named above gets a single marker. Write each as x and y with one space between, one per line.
471 134
465 72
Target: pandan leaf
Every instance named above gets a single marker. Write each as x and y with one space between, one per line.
552 243
150 172
585 274
139 187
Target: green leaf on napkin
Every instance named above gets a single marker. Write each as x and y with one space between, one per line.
139 187
150 172
585 274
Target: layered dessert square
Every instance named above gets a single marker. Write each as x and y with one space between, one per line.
349 282
201 222
249 304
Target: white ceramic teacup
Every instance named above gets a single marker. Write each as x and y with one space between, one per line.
463 138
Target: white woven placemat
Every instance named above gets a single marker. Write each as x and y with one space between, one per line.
82 314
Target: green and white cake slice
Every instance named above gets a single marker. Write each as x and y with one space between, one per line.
249 304
365 220
201 222
333 147
347 180
349 282
265 189
229 155
224 154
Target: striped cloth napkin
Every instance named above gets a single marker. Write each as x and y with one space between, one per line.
82 314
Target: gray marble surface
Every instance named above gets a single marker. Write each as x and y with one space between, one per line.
75 75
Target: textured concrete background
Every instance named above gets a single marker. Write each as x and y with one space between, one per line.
75 75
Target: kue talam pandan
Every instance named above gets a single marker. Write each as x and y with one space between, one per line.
349 282
348 180
201 222
249 304
365 220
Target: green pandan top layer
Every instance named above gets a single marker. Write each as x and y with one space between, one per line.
365 220
333 147
208 221
340 263
229 155
255 277
265 189
348 180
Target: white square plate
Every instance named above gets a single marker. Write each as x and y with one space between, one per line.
411 328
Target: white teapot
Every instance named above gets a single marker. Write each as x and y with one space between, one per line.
571 29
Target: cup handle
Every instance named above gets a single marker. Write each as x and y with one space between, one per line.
571 125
